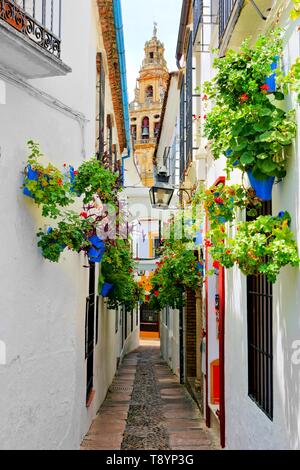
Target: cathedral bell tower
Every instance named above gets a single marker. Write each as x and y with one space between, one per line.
145 110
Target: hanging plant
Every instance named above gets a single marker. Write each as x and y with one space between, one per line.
221 202
47 185
117 272
177 270
72 232
93 179
246 125
261 246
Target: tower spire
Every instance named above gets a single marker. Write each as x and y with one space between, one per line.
154 29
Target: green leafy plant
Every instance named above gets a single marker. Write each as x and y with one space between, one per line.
261 246
51 189
177 270
117 268
93 179
72 232
246 124
221 201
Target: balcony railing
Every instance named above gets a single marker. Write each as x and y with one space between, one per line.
197 16
226 8
39 20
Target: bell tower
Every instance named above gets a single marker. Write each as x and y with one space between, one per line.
145 110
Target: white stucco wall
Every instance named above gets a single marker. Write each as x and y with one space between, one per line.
42 305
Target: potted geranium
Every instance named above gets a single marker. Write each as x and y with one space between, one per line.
47 185
261 246
246 124
72 232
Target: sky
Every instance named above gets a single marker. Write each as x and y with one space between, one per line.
138 19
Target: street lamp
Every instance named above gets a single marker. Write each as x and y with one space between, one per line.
162 193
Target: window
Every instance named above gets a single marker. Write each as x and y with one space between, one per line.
260 338
151 55
149 92
133 132
156 128
90 332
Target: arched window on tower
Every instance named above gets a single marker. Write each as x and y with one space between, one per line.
145 128
149 92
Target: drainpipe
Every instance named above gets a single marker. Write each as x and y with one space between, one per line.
117 9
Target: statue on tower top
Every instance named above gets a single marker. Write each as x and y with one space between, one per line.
155 29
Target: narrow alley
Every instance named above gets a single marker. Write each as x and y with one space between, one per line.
147 409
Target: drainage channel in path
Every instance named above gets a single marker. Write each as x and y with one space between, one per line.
145 427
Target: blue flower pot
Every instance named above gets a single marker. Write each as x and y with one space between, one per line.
200 267
262 188
221 219
32 175
271 79
97 250
106 288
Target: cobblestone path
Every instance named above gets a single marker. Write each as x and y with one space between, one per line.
147 408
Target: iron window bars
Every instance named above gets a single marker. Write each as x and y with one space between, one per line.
15 14
260 338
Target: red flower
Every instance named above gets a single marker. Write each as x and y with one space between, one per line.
208 243
147 298
59 182
130 270
84 214
228 252
244 97
265 87
216 264
65 164
205 97
75 172
219 200
204 117
156 293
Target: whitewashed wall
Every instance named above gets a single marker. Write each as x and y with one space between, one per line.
42 305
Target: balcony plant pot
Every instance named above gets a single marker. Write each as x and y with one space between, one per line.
31 175
106 289
271 79
262 188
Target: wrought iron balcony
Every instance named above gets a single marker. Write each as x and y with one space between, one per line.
38 20
197 16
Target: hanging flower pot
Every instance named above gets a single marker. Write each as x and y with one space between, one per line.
270 85
31 175
97 250
106 288
262 188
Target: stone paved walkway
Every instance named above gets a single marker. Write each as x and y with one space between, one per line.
147 408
